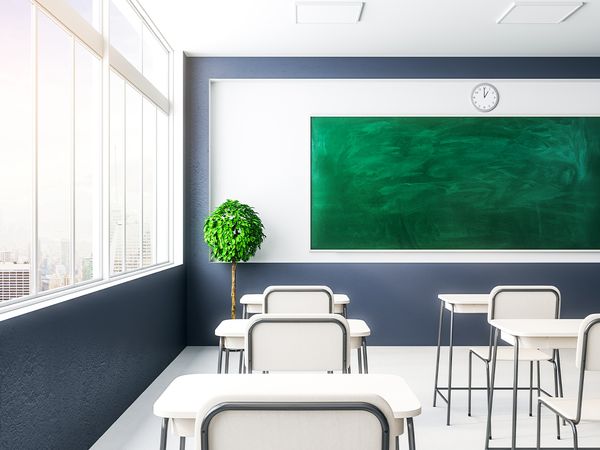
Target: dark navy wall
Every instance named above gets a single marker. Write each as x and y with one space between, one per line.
67 372
397 300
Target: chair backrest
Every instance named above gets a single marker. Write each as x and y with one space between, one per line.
297 342
298 299
355 422
524 302
588 344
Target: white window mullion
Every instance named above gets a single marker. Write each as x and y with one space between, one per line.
124 231
105 157
171 159
155 191
141 201
33 271
72 171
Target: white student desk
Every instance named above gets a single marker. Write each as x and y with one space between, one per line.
253 304
455 304
528 333
232 336
186 395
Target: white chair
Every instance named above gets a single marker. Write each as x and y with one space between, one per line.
577 409
309 299
298 299
293 422
297 342
520 302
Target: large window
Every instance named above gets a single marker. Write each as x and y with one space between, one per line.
85 145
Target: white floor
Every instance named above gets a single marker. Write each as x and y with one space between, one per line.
137 428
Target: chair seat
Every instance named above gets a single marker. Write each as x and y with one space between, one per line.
508 353
567 407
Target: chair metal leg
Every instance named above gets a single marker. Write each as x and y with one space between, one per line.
560 380
226 360
530 388
182 443
365 358
450 351
437 359
163 434
515 395
360 363
244 311
556 393
241 363
487 378
575 437
539 425
470 383
411 434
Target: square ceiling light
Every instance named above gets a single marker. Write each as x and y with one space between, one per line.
539 12
328 12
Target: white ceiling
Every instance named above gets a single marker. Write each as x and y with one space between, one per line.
386 28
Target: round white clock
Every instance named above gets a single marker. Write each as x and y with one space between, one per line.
485 97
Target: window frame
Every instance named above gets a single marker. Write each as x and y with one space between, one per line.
98 43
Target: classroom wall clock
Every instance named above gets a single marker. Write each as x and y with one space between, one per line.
485 97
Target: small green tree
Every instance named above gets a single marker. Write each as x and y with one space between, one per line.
233 232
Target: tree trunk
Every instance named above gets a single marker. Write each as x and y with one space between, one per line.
233 268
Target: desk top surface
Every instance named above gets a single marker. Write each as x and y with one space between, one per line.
238 327
257 299
539 328
187 394
465 299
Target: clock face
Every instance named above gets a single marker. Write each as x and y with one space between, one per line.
485 97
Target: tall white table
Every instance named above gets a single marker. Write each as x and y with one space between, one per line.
527 333
232 336
187 394
454 304
253 304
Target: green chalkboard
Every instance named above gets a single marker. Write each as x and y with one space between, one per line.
485 183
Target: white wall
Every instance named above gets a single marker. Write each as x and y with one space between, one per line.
260 148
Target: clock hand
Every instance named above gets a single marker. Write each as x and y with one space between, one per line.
485 93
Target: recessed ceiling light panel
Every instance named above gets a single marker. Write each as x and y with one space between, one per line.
539 12
328 12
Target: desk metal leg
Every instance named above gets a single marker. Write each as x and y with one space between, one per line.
182 443
470 382
492 380
365 358
411 434
345 310
226 360
515 395
220 362
244 311
437 358
360 363
450 351
163 434
241 366
530 388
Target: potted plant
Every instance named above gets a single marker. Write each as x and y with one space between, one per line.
233 232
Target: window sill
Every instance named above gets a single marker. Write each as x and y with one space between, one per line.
26 306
